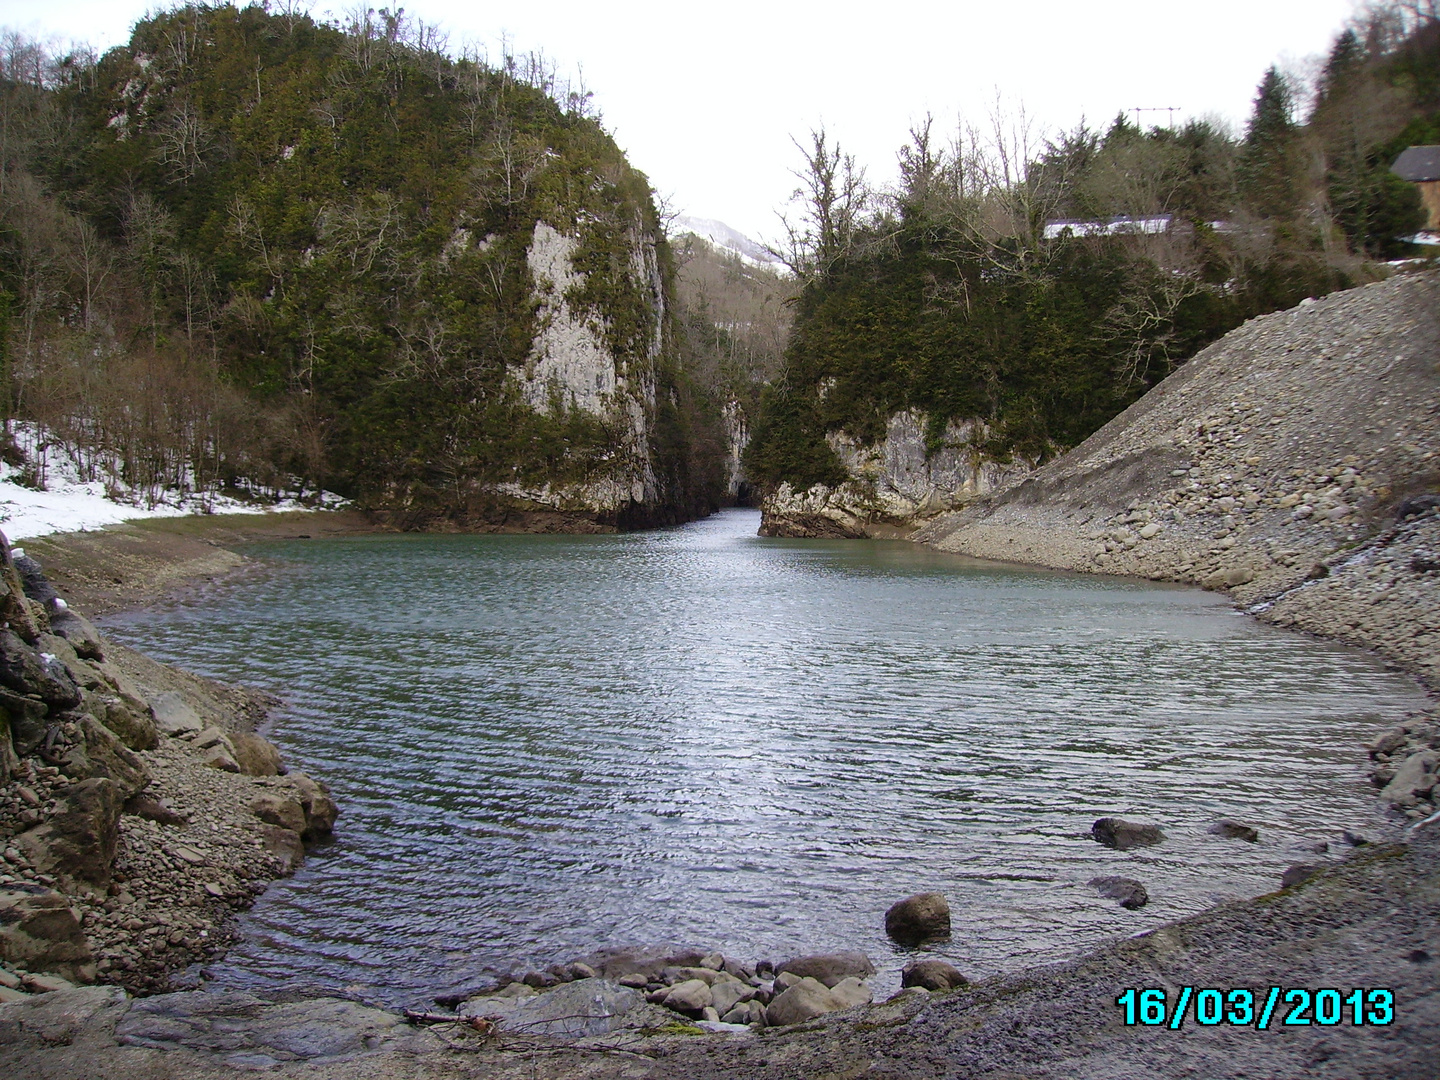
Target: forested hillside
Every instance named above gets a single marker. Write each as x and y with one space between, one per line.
252 246
1010 295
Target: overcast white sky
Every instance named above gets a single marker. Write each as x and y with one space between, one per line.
706 97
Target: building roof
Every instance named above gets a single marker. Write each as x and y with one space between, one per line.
1418 163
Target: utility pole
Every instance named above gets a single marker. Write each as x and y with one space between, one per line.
1170 109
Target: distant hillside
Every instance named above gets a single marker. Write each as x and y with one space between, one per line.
722 236
735 316
947 336
295 247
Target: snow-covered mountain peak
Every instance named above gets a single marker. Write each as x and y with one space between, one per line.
722 236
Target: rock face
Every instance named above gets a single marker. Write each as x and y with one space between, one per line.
39 930
918 918
895 484
1127 891
577 366
1122 835
1274 465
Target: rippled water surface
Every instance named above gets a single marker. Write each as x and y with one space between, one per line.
544 744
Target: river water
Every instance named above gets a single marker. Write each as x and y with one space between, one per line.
542 744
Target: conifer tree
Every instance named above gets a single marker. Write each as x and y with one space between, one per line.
1266 172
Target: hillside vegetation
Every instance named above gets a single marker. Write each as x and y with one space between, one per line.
1013 295
253 245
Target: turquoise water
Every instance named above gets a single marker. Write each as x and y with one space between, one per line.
545 744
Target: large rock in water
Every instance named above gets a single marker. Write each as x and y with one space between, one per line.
78 842
830 969
40 931
918 918
1122 835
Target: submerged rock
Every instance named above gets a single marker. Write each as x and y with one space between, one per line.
1233 830
918 918
1129 892
1122 835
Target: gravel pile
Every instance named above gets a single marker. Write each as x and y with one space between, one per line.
1292 464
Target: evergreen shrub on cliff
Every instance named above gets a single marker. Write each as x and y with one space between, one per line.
334 220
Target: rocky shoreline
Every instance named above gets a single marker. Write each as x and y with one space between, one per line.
139 810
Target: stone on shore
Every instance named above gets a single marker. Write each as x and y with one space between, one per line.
1127 891
1122 835
173 715
810 998
1299 874
1414 779
1234 830
689 997
829 969
40 931
932 975
576 1009
78 841
918 918
255 754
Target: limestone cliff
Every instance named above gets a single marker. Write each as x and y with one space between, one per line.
893 486
572 368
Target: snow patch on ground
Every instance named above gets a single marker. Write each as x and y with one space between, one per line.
57 491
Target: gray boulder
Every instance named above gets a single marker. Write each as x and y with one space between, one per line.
691 997
918 918
1122 835
583 1007
40 931
78 841
726 993
810 998
25 671
932 975
829 969
1414 779
1233 830
173 714
1129 892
